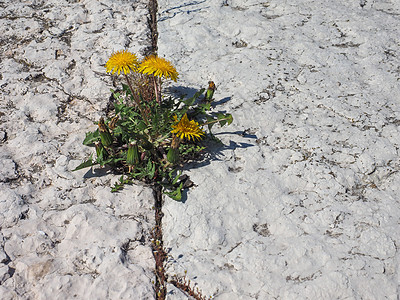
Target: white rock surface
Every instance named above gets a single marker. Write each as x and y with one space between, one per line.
63 234
302 201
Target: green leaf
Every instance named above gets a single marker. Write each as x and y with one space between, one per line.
224 119
151 169
156 120
205 107
230 119
125 88
173 155
87 163
91 137
210 119
116 95
199 93
117 131
222 122
118 108
102 162
190 101
118 186
178 174
176 194
220 116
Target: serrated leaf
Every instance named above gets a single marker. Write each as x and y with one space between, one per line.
176 194
150 169
91 137
117 131
102 162
120 185
230 119
204 107
190 101
199 93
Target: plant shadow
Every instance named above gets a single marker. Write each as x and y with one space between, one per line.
181 91
96 171
215 152
188 92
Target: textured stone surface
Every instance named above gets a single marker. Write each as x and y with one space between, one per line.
302 201
63 234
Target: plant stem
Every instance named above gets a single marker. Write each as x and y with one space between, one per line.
157 89
137 101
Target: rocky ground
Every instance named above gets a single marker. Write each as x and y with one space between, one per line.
301 199
64 235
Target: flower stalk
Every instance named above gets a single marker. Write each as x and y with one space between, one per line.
159 68
157 88
137 100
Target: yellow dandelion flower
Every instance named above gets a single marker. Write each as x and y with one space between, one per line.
159 67
122 61
187 129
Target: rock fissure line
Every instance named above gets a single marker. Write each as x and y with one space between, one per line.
153 8
157 245
159 254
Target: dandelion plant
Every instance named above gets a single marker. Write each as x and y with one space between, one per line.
150 137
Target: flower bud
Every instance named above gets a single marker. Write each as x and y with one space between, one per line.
210 92
133 154
173 155
173 152
105 136
101 152
113 123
